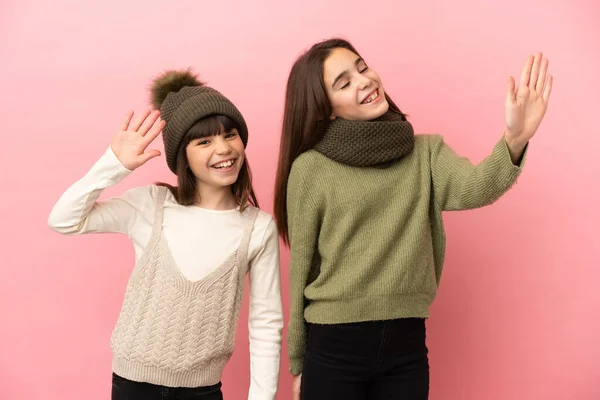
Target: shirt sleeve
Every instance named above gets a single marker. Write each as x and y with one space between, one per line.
265 319
78 210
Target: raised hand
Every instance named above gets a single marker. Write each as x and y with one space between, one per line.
130 143
526 104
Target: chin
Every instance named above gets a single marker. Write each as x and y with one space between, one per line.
385 106
376 112
229 180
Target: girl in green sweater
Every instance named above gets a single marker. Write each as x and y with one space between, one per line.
359 200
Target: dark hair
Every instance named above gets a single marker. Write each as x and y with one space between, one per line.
185 192
305 117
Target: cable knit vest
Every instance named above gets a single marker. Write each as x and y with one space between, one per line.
172 331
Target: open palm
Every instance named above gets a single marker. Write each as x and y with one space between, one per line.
130 143
526 105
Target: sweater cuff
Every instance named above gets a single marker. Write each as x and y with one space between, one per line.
296 365
502 146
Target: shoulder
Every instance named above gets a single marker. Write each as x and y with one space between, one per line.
426 141
427 145
144 199
264 234
152 192
307 162
141 194
264 224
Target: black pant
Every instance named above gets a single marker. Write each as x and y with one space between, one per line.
381 360
124 389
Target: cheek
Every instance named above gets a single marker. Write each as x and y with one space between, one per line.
196 159
376 78
238 147
344 100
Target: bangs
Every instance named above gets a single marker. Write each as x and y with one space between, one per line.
210 126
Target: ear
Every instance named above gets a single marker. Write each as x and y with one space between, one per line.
331 118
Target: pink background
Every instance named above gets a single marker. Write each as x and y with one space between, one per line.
517 315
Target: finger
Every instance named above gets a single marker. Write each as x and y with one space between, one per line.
535 70
148 155
148 122
127 120
548 88
140 121
154 132
539 86
525 74
510 91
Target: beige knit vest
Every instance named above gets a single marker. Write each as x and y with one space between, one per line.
174 332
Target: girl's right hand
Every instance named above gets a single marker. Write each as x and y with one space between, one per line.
130 143
296 380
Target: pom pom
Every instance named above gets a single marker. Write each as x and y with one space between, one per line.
171 81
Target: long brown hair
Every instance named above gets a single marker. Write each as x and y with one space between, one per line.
305 117
185 192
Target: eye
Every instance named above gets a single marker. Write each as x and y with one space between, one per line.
203 142
362 67
231 135
345 85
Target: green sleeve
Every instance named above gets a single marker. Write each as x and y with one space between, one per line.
458 184
303 227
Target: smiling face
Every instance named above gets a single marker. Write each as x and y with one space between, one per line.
354 90
216 160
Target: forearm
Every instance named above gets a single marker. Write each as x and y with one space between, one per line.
77 210
265 329
460 185
265 319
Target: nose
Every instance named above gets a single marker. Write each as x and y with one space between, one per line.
364 82
222 145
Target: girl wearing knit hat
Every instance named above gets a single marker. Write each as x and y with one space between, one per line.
194 244
359 200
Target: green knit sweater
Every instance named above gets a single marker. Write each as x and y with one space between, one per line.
368 243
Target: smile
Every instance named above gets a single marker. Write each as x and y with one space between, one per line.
224 165
371 98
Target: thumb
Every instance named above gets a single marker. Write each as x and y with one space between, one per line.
510 91
148 155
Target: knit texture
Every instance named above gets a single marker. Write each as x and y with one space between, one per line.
182 109
368 243
174 332
367 143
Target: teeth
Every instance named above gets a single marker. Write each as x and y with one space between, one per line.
371 97
225 164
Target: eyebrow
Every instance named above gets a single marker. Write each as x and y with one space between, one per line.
344 73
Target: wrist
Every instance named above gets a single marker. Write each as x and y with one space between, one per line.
516 146
116 156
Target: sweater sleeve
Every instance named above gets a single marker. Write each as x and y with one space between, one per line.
303 227
458 184
265 318
78 211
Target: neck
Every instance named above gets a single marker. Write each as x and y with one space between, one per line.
215 198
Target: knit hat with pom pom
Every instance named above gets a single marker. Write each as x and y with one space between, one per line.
183 100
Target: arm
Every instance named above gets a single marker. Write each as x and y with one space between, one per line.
303 225
458 184
265 319
78 211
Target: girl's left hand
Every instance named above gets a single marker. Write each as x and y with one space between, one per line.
526 105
